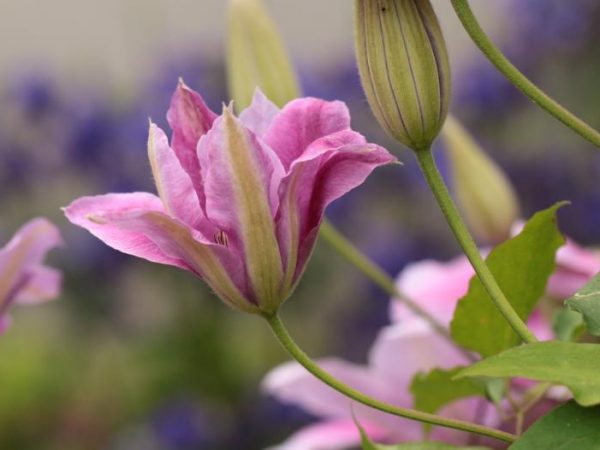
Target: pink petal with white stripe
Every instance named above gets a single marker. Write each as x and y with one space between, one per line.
326 170
190 119
173 184
89 213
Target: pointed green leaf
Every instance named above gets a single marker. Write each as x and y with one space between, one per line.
437 388
568 427
574 365
522 266
587 302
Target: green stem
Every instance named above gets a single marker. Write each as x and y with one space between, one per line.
436 183
530 399
296 352
516 77
355 257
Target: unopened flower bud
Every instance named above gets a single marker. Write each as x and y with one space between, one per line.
483 191
256 56
404 68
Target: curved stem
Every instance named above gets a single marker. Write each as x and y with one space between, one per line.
296 352
516 77
436 183
355 257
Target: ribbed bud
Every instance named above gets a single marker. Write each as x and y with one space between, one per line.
483 191
404 68
256 56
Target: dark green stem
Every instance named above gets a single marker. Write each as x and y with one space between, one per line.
516 77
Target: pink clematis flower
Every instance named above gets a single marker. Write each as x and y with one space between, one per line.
399 352
23 277
575 266
437 286
240 200
403 349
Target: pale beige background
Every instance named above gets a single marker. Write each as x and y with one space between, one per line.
114 41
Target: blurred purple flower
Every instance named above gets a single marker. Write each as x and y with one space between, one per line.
483 91
182 426
552 25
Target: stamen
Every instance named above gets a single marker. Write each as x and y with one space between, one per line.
221 238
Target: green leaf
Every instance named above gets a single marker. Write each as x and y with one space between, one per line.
522 266
576 366
568 427
567 324
495 390
367 444
437 388
587 302
364 439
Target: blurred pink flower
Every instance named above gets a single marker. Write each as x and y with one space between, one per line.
399 352
575 266
437 286
240 199
403 349
23 276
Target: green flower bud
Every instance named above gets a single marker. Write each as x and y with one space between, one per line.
404 68
256 56
483 191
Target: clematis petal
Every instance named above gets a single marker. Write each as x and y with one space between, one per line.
291 383
173 184
435 286
190 118
85 211
575 266
330 435
328 169
540 326
137 225
241 176
218 265
260 114
23 253
404 349
4 323
303 121
43 283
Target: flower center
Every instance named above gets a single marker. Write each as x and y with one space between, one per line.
221 238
